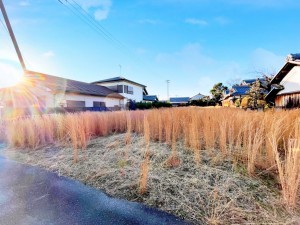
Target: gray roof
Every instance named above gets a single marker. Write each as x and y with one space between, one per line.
58 84
151 98
180 100
117 79
197 97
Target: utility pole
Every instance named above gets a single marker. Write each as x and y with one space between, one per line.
12 36
168 82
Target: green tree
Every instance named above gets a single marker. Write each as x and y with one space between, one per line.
217 92
257 92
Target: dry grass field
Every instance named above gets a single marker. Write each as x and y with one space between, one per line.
212 166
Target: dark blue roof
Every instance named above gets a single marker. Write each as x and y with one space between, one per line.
293 57
240 90
180 100
250 81
151 98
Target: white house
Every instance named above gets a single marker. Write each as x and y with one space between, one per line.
285 85
130 90
43 91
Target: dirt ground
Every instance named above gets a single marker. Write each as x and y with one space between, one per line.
215 192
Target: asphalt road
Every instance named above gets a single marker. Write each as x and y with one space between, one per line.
30 195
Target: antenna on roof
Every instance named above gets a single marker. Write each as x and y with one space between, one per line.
120 66
12 36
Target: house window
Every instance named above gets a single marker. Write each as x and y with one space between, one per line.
120 88
125 88
130 90
99 104
71 103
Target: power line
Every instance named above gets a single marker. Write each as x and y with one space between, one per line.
7 32
97 23
5 28
90 21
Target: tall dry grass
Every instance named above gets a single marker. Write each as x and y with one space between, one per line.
145 163
260 140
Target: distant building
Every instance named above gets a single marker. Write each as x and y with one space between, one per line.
285 86
179 101
239 91
197 97
150 98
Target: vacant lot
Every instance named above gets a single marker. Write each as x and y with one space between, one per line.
215 166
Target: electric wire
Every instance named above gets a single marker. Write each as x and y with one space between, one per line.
7 32
88 19
92 23
97 23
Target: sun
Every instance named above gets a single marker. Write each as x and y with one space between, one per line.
11 80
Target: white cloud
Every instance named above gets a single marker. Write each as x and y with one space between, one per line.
149 21
188 64
192 71
24 3
141 51
48 54
262 60
222 20
100 8
190 56
253 3
196 22
265 3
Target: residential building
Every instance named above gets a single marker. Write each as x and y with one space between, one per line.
129 89
179 101
240 91
197 97
285 85
236 92
42 91
150 98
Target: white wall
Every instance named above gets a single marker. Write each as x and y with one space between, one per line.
137 90
110 102
291 81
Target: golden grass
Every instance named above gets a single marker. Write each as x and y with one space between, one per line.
260 140
145 163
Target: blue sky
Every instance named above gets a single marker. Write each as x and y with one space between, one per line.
192 43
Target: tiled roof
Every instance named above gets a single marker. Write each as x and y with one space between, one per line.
180 100
117 79
58 84
250 81
240 90
293 57
152 98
